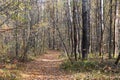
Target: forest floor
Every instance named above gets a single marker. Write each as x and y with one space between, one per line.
53 65
46 67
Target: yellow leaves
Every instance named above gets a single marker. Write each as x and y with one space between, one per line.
80 76
10 66
4 26
21 6
25 75
9 75
60 4
1 71
41 24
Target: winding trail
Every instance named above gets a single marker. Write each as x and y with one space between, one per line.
46 67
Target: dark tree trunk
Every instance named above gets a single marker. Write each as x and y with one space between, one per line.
117 61
110 32
85 32
74 30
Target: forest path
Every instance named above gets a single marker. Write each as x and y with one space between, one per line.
46 67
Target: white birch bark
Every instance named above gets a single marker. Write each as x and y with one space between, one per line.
117 31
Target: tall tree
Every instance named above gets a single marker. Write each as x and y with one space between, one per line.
101 25
117 32
16 34
110 32
85 28
116 29
75 40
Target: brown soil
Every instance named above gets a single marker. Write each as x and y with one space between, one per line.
46 67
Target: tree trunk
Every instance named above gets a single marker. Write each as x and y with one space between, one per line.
85 32
116 29
117 61
110 32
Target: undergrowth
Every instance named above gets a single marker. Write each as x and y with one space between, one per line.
93 69
9 72
10 67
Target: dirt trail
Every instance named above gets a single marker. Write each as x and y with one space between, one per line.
46 67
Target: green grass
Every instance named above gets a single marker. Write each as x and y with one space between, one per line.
93 69
79 66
